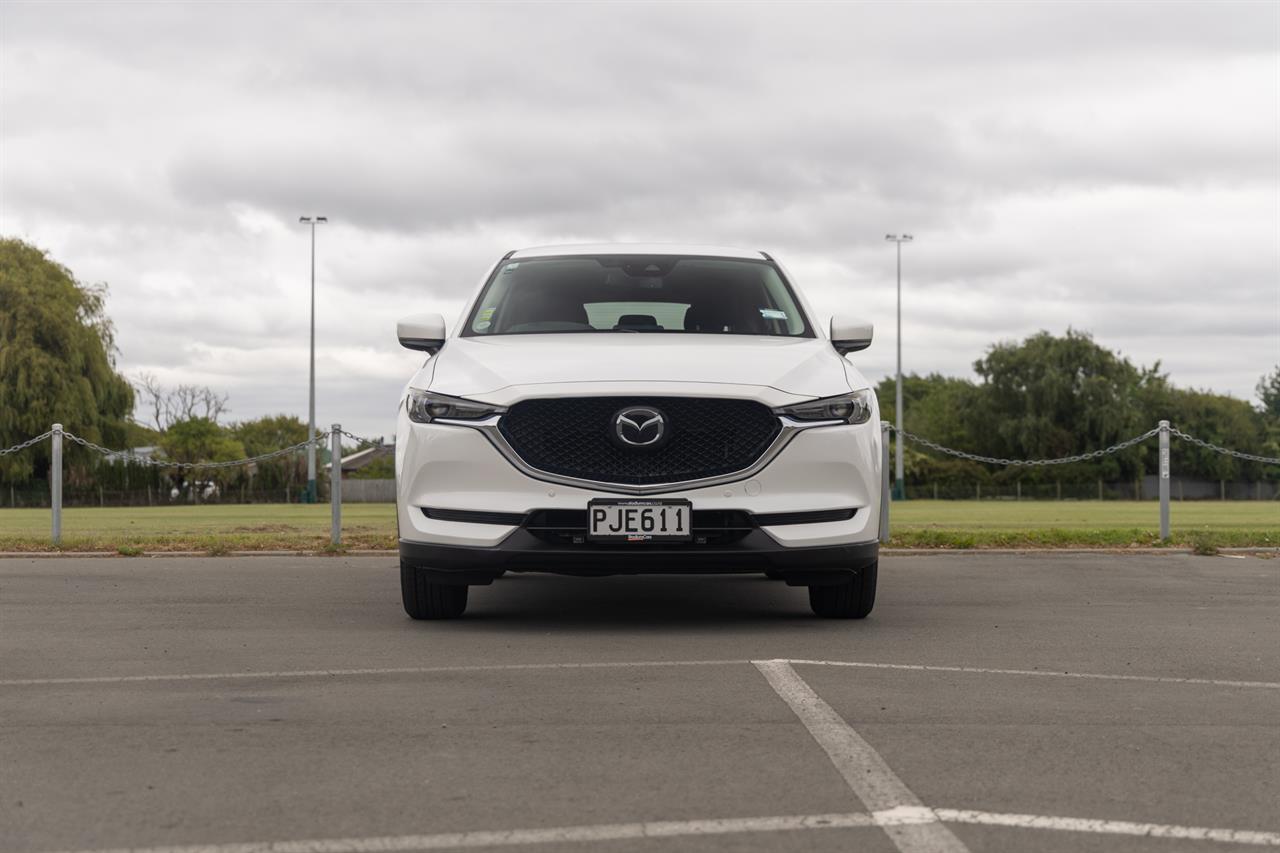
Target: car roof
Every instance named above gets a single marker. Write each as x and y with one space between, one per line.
638 249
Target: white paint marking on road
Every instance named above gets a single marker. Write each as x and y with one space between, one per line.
901 816
429 670
337 673
975 670
1111 827
909 824
517 837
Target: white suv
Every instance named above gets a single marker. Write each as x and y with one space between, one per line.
622 409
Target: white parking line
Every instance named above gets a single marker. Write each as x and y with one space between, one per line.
878 787
516 837
1110 827
976 670
336 673
726 826
428 670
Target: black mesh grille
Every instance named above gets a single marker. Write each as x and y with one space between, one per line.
570 436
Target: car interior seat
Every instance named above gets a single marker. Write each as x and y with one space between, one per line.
638 322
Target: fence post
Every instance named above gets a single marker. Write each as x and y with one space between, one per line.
335 483
55 483
884 483
1164 479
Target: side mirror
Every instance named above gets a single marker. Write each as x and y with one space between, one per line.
421 332
849 334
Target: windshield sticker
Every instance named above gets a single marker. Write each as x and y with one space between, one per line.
511 267
773 314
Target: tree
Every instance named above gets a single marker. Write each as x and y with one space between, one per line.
1269 393
266 434
1222 420
57 360
202 440
184 402
930 405
1050 396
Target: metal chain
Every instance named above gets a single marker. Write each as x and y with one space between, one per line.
360 439
319 440
1269 460
30 441
933 445
1031 463
161 463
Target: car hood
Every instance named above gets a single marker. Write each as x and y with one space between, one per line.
480 367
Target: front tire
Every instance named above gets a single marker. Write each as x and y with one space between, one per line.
852 599
424 599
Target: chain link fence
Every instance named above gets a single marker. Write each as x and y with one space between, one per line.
1031 463
57 434
1208 445
1164 431
132 458
30 442
1099 489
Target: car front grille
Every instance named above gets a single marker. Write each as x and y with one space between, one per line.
570 437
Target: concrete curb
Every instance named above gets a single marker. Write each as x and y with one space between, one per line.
888 552
923 552
927 552
151 554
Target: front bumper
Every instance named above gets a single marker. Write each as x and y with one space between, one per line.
456 468
521 551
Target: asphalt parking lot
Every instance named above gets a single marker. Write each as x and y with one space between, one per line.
991 702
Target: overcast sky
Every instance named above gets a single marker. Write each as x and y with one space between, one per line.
1105 166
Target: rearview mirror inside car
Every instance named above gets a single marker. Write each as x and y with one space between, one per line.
421 332
849 334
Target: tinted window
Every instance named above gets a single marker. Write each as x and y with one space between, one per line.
637 294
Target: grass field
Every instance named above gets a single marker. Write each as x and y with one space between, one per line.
227 527
1060 524
929 524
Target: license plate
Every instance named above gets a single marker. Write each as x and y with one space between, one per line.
639 521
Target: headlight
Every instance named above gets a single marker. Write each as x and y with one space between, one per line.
852 408
425 407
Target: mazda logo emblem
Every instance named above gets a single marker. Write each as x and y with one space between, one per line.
639 426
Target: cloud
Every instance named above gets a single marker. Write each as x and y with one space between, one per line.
1112 167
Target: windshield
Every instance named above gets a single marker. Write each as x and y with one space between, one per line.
644 294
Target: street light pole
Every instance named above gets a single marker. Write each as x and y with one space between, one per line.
899 486
311 406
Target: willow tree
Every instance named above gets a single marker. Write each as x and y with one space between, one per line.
57 360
